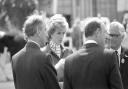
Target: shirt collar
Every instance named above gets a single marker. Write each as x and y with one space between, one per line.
34 42
90 41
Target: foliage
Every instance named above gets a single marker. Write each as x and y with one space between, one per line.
16 11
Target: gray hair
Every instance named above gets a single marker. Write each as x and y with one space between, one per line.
117 26
30 25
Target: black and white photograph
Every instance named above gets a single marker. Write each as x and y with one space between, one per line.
63 44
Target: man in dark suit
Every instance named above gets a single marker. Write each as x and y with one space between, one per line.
117 33
32 68
92 67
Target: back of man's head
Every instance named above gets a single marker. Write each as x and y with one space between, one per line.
31 24
91 26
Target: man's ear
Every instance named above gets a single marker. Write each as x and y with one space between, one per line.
97 32
37 30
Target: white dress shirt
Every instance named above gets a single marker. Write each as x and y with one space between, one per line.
119 52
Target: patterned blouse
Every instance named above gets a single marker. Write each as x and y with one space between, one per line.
55 48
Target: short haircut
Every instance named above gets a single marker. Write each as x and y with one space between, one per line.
55 22
91 26
117 26
31 24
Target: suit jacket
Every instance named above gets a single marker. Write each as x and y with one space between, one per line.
32 69
92 67
55 59
124 66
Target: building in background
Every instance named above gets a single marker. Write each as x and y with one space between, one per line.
17 10
113 9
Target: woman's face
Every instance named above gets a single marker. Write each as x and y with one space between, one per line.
58 35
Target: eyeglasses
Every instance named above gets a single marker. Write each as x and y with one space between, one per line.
114 35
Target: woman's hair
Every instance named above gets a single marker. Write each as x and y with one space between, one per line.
56 22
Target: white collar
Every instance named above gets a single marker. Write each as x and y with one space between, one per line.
90 41
119 50
33 42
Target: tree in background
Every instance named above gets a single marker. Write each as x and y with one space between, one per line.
16 12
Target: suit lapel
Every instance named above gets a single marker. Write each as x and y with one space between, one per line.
123 55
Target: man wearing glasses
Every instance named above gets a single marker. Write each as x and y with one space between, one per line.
117 33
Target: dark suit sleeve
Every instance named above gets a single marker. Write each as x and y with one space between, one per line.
67 82
115 77
49 74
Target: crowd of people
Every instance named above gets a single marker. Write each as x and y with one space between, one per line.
98 58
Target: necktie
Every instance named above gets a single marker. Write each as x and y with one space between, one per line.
117 54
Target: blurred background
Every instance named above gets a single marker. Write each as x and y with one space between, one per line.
16 10
13 13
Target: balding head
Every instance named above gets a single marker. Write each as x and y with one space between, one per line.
116 28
